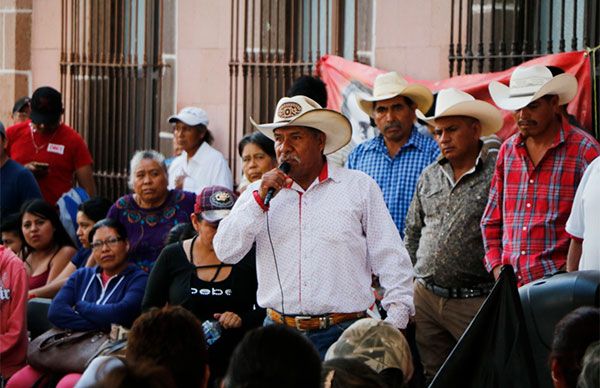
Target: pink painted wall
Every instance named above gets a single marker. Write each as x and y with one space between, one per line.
45 43
412 37
203 40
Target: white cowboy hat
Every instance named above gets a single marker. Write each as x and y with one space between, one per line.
527 84
390 85
303 112
453 102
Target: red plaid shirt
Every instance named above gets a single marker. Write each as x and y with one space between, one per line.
528 207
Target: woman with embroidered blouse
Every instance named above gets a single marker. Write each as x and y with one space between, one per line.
189 274
152 210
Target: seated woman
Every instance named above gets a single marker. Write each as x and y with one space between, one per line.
258 155
152 210
190 274
94 298
88 213
47 242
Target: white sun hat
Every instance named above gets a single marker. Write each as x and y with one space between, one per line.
454 102
390 85
527 84
304 112
191 116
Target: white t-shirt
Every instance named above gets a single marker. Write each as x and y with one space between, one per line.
206 168
584 221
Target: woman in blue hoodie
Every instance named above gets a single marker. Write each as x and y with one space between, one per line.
94 298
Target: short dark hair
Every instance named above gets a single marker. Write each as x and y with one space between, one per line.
572 335
108 223
208 136
10 223
260 140
140 375
311 87
170 337
274 356
95 208
180 232
43 209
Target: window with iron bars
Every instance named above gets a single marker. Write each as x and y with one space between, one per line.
110 78
494 35
275 42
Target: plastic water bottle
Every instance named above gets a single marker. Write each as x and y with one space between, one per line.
212 331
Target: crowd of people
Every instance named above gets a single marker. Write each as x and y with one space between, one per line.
328 265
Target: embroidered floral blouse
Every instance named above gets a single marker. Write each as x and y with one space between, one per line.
148 228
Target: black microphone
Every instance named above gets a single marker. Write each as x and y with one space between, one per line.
285 167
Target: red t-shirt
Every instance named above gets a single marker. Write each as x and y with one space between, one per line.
64 150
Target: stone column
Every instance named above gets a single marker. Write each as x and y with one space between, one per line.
15 54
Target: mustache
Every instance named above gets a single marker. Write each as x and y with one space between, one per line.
393 124
522 123
289 158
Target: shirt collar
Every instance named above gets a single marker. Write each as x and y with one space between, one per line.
328 171
199 152
447 168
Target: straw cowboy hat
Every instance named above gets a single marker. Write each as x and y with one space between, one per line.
303 112
527 84
453 102
390 85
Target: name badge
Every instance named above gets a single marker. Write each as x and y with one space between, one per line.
56 148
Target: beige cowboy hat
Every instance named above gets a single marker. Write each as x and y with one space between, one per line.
303 112
527 84
454 102
390 85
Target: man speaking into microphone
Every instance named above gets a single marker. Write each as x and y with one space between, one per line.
323 233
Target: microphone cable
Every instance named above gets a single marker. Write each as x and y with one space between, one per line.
276 269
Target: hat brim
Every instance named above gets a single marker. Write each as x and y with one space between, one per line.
422 97
563 85
488 116
335 126
187 120
215 215
40 118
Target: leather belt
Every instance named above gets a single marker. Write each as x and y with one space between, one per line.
313 322
456 292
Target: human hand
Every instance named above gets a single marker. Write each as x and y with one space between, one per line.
179 182
275 179
229 320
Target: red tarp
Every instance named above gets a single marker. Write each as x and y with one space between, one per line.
343 78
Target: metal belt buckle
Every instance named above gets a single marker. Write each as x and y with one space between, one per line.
298 321
323 322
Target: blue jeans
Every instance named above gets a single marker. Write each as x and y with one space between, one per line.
324 338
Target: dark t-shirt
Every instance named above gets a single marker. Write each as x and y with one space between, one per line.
17 185
173 280
81 257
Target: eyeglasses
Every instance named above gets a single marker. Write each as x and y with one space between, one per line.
110 243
